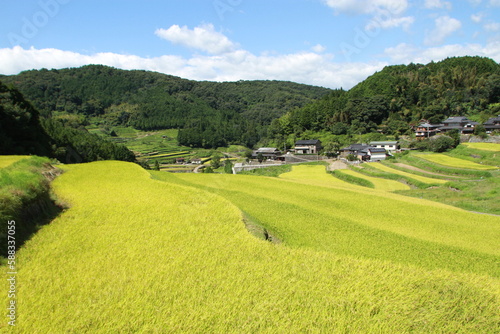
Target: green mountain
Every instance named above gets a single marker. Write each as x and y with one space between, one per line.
209 114
23 131
399 96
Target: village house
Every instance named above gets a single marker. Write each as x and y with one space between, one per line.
365 152
268 153
493 124
374 154
462 124
389 146
354 149
427 130
307 146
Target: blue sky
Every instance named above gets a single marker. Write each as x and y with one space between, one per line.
330 43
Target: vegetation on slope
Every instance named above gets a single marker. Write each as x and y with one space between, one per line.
164 256
24 197
24 131
400 96
360 221
209 114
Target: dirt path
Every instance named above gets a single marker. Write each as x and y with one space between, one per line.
423 171
336 164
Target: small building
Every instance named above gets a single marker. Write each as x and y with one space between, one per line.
354 149
389 146
270 153
427 130
375 153
493 124
180 160
308 146
196 161
461 123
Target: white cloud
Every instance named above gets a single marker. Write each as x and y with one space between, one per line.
395 7
495 3
303 67
492 27
203 38
318 48
406 53
390 22
433 4
445 26
477 18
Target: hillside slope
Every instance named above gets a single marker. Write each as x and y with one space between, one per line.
398 96
211 114
24 131
149 256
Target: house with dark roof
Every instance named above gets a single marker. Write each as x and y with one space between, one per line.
374 154
353 149
493 124
307 146
267 153
427 130
389 146
365 152
461 123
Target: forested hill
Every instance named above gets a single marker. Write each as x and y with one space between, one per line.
399 96
209 114
23 131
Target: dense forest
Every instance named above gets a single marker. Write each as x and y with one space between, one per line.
211 114
394 99
24 131
208 114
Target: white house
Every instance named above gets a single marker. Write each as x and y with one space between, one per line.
389 146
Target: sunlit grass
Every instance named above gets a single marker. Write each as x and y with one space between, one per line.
6 160
484 146
379 183
445 160
419 178
138 255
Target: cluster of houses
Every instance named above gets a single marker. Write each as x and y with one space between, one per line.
301 147
374 151
462 124
378 150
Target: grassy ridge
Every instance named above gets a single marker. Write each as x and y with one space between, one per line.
24 196
148 256
453 162
418 178
362 222
484 146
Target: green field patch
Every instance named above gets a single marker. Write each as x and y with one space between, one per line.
156 255
494 147
379 183
445 160
7 160
419 178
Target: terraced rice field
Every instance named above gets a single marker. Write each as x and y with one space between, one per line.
137 255
445 160
419 178
483 146
379 183
6 160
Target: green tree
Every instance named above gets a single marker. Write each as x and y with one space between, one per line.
157 165
215 162
228 166
260 157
